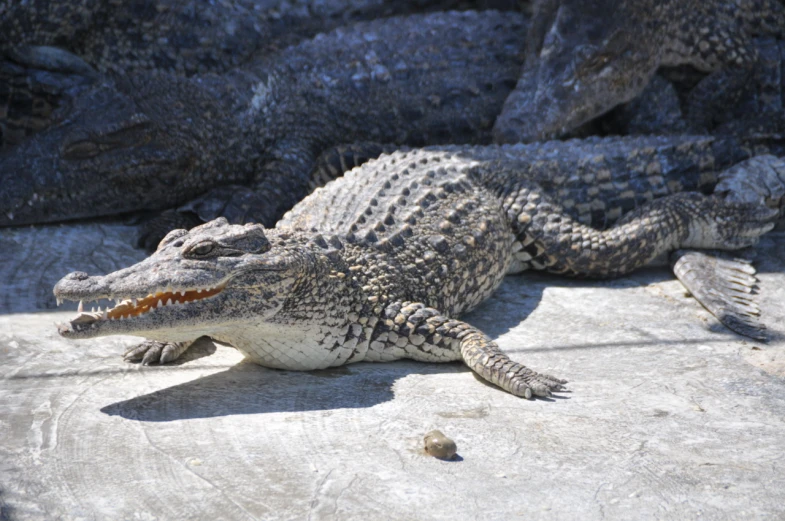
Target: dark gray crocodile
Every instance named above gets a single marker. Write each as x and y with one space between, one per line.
759 109
585 57
182 37
153 141
377 265
52 46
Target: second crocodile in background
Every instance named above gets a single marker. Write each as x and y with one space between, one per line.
585 57
155 141
377 265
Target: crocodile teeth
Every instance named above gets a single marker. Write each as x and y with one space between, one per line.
80 308
84 318
131 308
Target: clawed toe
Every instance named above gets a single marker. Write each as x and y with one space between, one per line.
136 353
547 387
151 352
543 386
553 379
153 355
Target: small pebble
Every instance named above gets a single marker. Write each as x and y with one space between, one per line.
439 446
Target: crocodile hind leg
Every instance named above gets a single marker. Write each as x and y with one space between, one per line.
413 330
550 239
724 286
153 351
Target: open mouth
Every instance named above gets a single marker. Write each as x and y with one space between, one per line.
131 308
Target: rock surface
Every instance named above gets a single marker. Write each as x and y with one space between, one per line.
670 416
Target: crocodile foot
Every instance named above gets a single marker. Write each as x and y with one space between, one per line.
153 351
725 286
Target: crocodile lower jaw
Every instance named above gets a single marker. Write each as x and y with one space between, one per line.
129 311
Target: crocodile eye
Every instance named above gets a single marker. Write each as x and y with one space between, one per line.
81 150
598 61
133 133
589 65
202 249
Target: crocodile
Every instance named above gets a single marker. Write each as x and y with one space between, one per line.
760 108
585 57
245 142
379 264
50 46
183 37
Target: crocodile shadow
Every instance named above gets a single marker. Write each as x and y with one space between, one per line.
247 388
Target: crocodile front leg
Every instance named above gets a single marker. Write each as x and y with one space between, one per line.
153 351
413 330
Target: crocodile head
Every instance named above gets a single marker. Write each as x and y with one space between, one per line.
198 282
126 145
590 58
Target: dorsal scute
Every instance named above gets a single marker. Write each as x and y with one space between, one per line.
372 197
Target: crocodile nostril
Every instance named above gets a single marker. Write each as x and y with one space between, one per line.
77 275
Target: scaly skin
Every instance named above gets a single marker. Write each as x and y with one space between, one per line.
181 37
761 108
32 100
378 264
657 110
585 57
50 45
154 141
